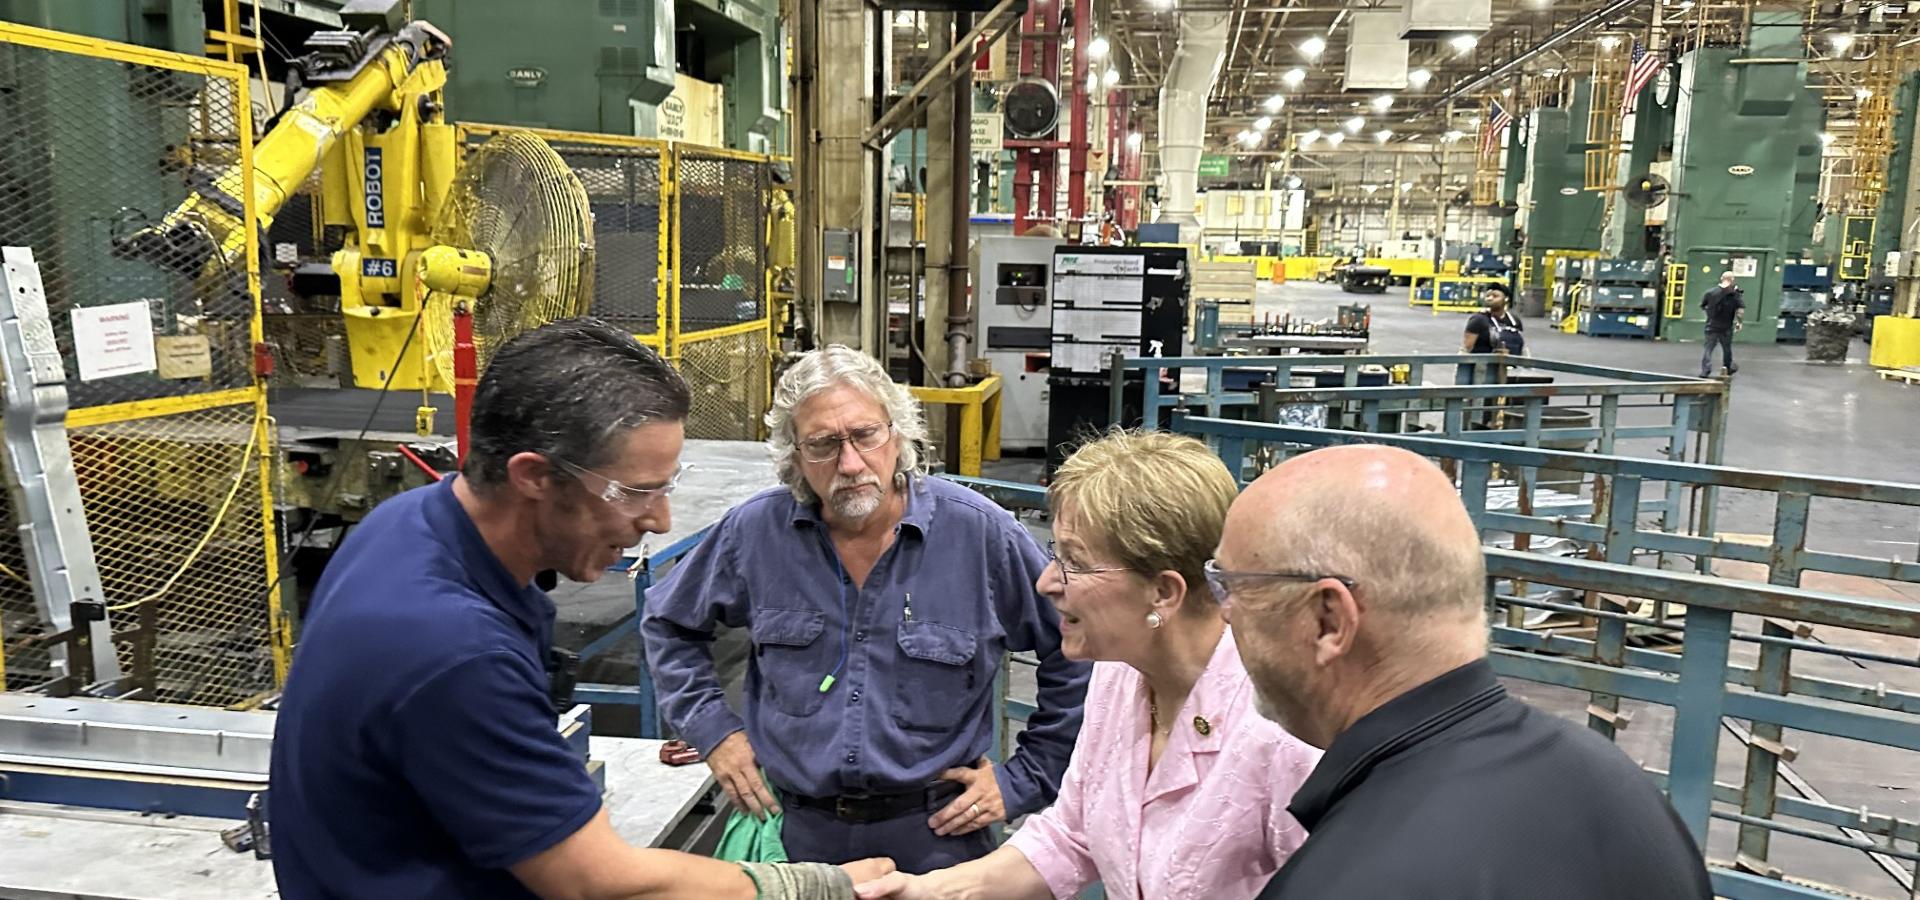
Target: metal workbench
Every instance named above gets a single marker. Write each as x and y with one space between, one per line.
83 854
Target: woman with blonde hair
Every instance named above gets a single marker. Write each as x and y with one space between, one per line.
1177 787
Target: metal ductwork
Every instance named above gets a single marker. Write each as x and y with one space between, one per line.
1183 111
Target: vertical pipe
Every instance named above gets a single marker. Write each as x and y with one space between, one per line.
959 317
466 374
1077 156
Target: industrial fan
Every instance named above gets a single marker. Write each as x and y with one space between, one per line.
514 244
1032 108
1648 191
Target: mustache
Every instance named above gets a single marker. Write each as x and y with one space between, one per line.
841 482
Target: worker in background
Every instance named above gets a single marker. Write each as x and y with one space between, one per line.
881 603
1495 329
1723 305
1136 515
1356 590
416 753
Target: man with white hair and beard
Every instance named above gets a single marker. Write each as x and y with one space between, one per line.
880 604
1356 587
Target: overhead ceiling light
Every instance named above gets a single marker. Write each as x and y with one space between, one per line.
1464 42
1370 188
1863 93
1506 92
1097 48
1111 78
1406 186
1274 103
1134 140
903 19
1608 42
1293 181
1383 135
1336 138
1312 47
1093 83
1355 124
1383 102
1250 138
1306 140
1294 77
1419 78
1263 123
1826 138
1454 135
1841 43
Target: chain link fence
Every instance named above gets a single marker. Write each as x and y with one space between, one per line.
100 142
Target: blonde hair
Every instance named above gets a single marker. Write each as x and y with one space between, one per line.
832 366
1156 501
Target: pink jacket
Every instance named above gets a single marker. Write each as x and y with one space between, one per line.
1209 821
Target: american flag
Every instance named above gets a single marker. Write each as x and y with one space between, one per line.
1497 121
1641 68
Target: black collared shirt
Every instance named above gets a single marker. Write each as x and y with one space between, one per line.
1456 790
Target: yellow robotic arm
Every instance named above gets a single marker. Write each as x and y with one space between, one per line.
376 66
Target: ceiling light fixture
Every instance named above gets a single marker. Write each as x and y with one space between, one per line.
1294 77
1274 103
1841 43
1419 78
1383 135
1312 47
1336 138
1263 123
1293 181
1097 48
1111 78
1134 140
1355 124
1464 42
1826 138
1249 138
1608 42
1383 102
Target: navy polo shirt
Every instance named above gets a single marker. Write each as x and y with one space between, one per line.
417 754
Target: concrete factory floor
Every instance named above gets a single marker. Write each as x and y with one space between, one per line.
1786 415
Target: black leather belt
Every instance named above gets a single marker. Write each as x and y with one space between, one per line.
867 808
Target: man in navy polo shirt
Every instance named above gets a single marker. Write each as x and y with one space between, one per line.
416 753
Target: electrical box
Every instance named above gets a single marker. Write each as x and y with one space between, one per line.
840 257
1442 18
1013 322
1376 56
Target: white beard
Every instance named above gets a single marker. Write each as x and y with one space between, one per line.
855 505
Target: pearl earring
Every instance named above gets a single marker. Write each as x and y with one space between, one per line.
1154 620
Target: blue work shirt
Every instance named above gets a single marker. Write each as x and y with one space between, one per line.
916 648
417 753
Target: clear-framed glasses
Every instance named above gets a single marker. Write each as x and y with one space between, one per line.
1068 569
632 502
1221 581
865 439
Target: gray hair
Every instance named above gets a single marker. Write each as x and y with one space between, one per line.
821 370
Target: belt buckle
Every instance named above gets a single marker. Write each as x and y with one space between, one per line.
842 809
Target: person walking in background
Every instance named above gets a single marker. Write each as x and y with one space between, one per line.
1723 305
1496 329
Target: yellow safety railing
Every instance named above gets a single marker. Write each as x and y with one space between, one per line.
174 458
1676 290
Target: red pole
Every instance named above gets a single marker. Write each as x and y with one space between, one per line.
466 374
1082 129
1023 157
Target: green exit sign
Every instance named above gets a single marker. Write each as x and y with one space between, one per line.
1213 166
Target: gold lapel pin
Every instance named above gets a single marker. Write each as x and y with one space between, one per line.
1201 725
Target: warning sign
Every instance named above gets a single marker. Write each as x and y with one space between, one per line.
113 340
184 356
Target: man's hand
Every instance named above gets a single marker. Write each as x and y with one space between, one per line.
738 772
977 807
866 870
